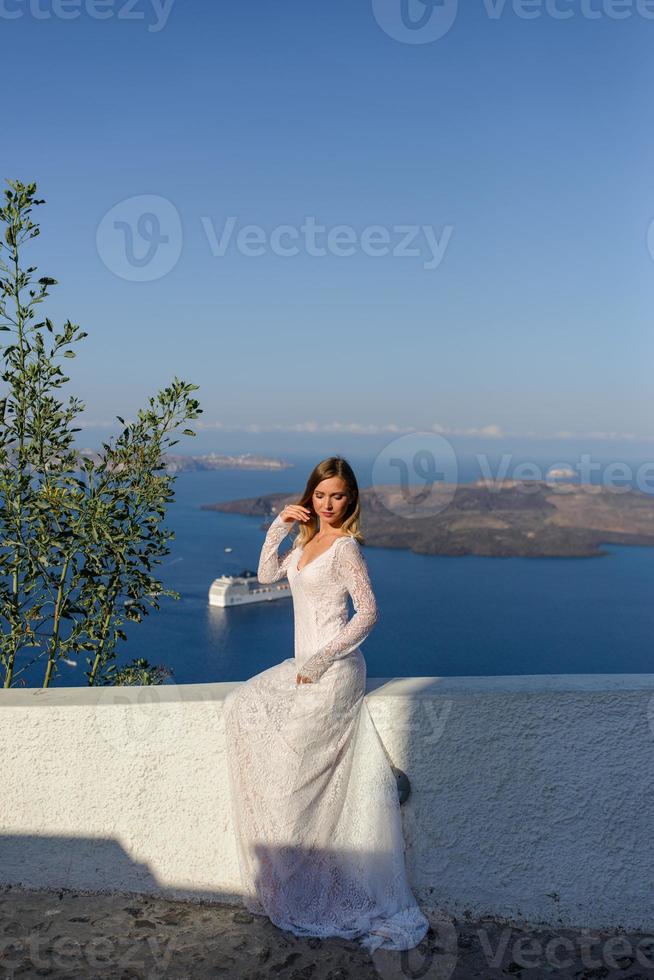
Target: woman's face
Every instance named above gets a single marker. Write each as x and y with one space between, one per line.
330 501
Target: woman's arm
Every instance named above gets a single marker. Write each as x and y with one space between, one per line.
351 567
271 566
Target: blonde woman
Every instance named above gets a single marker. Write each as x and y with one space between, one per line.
315 804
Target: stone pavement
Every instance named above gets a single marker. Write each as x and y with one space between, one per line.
67 934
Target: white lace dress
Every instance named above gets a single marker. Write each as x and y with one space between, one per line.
314 799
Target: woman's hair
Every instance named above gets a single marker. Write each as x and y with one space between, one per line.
333 466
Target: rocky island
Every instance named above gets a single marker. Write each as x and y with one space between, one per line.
509 518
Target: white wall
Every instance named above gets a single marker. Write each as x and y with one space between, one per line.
532 797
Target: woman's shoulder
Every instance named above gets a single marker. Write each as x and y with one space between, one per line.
347 542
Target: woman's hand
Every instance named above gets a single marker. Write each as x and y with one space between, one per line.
300 679
294 512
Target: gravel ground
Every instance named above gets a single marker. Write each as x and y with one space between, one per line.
71 934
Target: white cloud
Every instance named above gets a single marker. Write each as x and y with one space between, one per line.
355 428
621 436
489 431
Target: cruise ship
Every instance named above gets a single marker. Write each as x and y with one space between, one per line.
238 590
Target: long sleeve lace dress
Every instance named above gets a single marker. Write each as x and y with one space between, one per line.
314 799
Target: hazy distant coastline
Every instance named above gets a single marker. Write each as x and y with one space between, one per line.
513 518
176 463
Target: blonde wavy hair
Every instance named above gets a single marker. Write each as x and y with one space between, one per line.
326 468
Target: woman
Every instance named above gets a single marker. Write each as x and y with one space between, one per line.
315 804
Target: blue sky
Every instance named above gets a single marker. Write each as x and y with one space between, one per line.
523 146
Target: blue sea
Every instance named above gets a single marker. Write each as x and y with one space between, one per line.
439 616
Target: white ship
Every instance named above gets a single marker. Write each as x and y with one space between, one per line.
238 590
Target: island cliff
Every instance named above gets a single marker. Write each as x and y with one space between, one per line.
527 518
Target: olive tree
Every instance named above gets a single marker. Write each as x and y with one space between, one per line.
80 535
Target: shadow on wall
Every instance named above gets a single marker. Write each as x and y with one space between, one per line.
83 863
102 865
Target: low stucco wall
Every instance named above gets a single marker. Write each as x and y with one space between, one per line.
532 797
